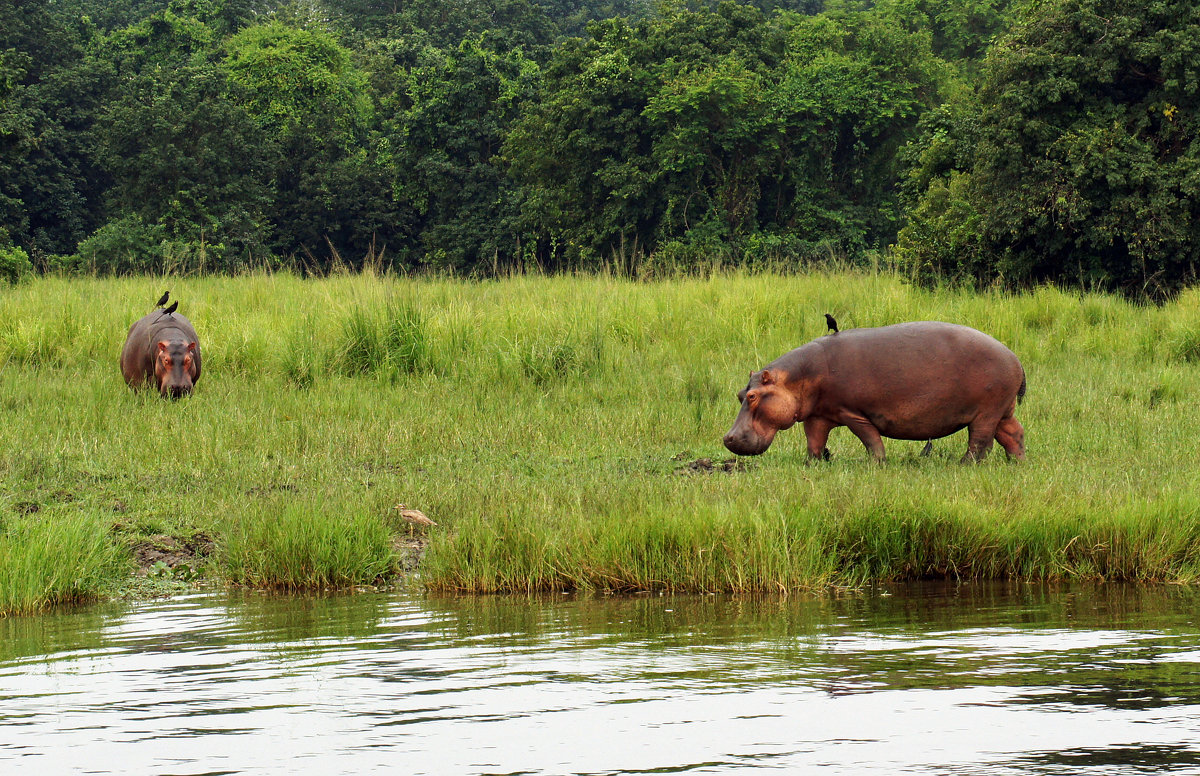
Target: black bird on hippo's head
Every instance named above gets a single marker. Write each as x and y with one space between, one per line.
831 323
163 299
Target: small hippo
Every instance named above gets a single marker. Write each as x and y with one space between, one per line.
922 380
162 347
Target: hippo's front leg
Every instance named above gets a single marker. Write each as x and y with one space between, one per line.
816 431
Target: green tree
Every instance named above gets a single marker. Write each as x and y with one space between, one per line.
853 89
49 182
298 82
1086 166
572 16
962 30
505 24
717 143
722 130
445 148
186 158
591 184
305 92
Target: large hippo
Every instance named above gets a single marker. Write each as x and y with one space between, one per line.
921 380
162 348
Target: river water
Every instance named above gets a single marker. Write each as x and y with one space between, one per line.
923 679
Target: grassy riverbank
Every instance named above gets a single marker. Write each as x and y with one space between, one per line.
556 428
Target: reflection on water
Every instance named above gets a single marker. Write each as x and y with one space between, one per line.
920 679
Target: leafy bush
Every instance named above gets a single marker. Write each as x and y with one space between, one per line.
126 246
14 265
942 236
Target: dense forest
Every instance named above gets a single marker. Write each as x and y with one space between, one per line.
983 140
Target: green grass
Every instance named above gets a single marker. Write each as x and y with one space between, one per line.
44 562
545 423
305 546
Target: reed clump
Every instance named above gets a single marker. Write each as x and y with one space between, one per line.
46 562
557 429
299 547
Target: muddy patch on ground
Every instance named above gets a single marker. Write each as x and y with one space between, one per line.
263 490
708 466
411 550
172 552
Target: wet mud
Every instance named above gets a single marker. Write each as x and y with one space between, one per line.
708 466
172 552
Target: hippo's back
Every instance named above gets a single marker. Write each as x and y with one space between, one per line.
916 343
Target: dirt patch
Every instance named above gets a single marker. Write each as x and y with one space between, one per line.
27 507
262 490
708 466
410 549
172 551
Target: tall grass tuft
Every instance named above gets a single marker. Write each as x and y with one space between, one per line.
306 546
405 339
64 559
300 360
362 350
384 344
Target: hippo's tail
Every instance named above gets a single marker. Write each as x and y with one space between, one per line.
1021 390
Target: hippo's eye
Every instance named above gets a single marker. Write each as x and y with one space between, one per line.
166 362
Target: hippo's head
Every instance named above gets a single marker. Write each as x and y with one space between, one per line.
767 407
175 368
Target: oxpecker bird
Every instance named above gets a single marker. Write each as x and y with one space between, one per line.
166 295
174 306
829 321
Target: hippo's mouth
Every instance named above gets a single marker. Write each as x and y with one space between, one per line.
748 443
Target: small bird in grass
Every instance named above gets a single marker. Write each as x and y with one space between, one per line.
174 306
413 517
831 323
163 300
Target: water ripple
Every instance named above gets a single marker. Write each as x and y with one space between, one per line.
995 682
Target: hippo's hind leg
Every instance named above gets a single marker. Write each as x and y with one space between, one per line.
981 432
1011 436
868 435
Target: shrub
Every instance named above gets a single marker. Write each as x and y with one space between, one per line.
125 246
14 265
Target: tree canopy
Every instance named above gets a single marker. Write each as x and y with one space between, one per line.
991 141
1079 159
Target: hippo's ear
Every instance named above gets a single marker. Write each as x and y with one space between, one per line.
162 346
767 378
191 347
